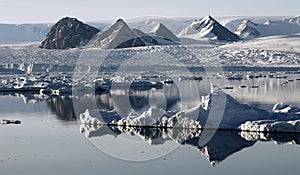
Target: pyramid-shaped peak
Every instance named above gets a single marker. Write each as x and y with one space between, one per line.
119 35
208 27
248 22
120 23
69 19
247 29
68 33
162 31
120 20
159 26
208 18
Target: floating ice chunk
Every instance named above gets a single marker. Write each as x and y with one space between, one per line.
157 117
5 121
96 117
235 116
284 108
89 117
147 118
254 136
271 126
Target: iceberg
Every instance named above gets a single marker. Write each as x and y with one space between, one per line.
209 114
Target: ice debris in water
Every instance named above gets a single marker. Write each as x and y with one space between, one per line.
272 126
154 117
283 118
284 108
5 121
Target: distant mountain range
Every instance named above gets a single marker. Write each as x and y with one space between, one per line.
294 20
248 29
71 33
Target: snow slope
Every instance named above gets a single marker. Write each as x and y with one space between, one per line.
279 43
232 23
272 28
162 31
247 29
10 33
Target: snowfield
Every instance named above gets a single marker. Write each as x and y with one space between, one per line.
272 51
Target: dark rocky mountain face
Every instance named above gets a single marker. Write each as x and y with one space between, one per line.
68 33
221 32
147 39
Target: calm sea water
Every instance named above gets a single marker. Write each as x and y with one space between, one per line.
51 141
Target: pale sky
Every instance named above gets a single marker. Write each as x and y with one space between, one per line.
41 11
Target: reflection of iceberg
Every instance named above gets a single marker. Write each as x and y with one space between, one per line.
235 116
62 107
223 144
292 138
152 135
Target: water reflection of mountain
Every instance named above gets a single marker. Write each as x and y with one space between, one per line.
63 105
223 144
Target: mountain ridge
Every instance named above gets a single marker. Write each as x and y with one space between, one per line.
208 27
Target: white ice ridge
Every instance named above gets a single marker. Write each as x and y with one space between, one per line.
291 126
154 117
283 118
285 108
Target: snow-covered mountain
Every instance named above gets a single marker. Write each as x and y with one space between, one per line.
162 31
208 27
147 39
68 33
189 30
119 35
272 28
10 33
293 20
247 29
147 24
